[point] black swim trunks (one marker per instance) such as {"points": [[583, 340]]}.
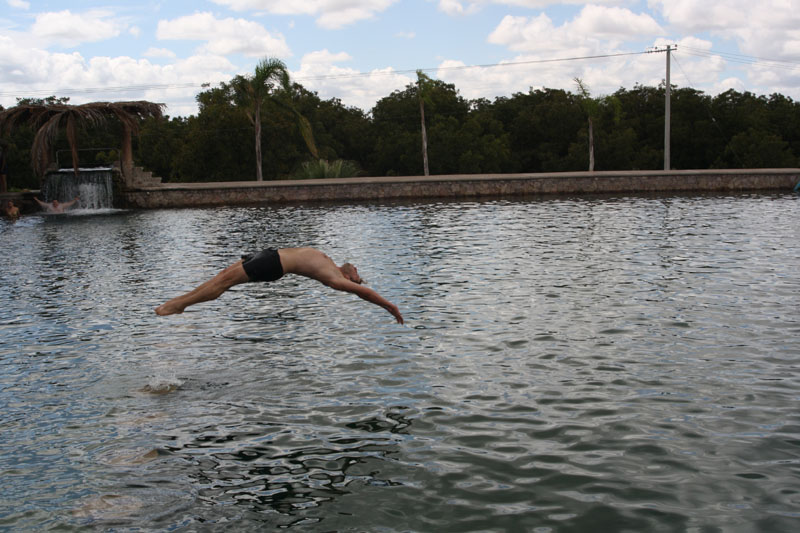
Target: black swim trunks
{"points": [[263, 266]]}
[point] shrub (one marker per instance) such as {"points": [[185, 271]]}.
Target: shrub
{"points": [[321, 169]]}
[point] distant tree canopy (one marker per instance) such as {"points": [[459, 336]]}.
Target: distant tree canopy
{"points": [[542, 130]]}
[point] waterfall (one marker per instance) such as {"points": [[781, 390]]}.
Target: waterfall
{"points": [[93, 185]]}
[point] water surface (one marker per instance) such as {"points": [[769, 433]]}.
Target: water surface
{"points": [[595, 364]]}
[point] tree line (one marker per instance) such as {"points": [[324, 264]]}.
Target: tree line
{"points": [[541, 130]]}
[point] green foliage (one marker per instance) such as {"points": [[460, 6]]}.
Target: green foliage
{"points": [[542, 130], [17, 150], [50, 100], [217, 146], [756, 149], [322, 169], [103, 158], [398, 136], [542, 124]]}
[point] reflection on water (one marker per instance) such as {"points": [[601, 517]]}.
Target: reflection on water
{"points": [[598, 364]]}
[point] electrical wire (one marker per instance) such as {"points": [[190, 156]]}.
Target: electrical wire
{"points": [[684, 49], [94, 90], [740, 58], [387, 72], [465, 67]]}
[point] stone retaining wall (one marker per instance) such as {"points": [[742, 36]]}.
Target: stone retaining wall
{"points": [[455, 186]]}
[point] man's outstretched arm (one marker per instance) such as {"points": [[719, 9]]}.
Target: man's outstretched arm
{"points": [[367, 294]]}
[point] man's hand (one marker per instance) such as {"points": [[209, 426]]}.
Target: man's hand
{"points": [[396, 312], [367, 294]]}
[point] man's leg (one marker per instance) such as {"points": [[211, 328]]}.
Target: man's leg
{"points": [[210, 290]]}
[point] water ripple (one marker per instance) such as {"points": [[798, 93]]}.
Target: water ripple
{"points": [[593, 364]]}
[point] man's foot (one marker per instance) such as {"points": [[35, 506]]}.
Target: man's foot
{"points": [[168, 309]]}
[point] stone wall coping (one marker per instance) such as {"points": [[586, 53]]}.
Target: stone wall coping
{"points": [[464, 177]]}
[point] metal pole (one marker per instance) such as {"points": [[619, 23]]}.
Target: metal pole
{"points": [[667, 113]]}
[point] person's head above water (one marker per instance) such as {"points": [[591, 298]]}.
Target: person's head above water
{"points": [[351, 272]]}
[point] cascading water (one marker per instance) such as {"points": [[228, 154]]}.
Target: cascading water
{"points": [[94, 186]]}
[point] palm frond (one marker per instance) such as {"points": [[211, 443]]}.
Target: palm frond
{"points": [[307, 133]]}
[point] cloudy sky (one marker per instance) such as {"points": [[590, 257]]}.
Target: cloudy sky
{"points": [[362, 50]]}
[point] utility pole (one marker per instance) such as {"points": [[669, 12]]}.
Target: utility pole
{"points": [[667, 112]]}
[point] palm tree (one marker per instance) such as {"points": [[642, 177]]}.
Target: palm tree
{"points": [[48, 118], [592, 107], [423, 93], [270, 82]]}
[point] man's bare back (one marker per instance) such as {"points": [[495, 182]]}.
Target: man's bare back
{"points": [[308, 262], [311, 263]]}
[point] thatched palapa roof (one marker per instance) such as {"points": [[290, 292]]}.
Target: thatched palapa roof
{"points": [[48, 119]]}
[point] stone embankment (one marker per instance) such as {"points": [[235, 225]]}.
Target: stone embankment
{"points": [[457, 187], [148, 193]]}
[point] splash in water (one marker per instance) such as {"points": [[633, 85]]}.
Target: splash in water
{"points": [[160, 384]]}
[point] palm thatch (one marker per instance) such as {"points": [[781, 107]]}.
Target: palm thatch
{"points": [[49, 119], [130, 115]]}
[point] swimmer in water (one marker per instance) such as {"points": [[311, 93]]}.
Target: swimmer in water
{"points": [[55, 206], [270, 265], [10, 210]]}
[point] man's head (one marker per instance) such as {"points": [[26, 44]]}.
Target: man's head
{"points": [[351, 272], [55, 203]]}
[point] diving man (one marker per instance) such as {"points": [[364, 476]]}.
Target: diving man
{"points": [[270, 265]]}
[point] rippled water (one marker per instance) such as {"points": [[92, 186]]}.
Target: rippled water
{"points": [[596, 364]]}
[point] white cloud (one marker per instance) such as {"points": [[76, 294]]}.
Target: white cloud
{"points": [[224, 36], [460, 7], [760, 29], [451, 7], [791, 48], [455, 8], [70, 29], [33, 72], [596, 28], [766, 30], [331, 14], [699, 16], [614, 23], [159, 52], [729, 83], [770, 30], [524, 72], [319, 72]]}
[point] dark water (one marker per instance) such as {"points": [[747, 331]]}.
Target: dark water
{"points": [[628, 364]]}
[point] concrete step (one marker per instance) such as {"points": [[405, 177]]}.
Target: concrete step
{"points": [[144, 178]]}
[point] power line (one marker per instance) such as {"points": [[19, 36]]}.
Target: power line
{"points": [[742, 59], [464, 67], [148, 87], [689, 50], [94, 90]]}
